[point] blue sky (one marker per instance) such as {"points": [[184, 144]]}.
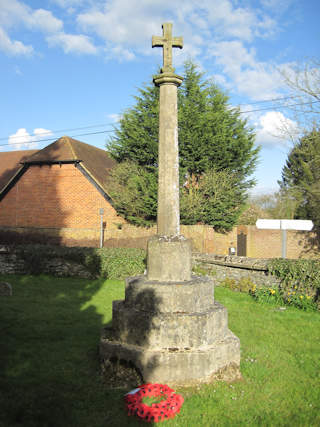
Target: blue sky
{"points": [[73, 66]]}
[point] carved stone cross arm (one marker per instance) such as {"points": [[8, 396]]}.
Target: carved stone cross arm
{"points": [[167, 42]]}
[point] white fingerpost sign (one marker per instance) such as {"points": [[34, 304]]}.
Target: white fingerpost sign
{"points": [[284, 225]]}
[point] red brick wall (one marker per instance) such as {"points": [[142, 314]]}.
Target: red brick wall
{"points": [[268, 243], [55, 196]]}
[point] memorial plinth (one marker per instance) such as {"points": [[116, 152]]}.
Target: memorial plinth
{"points": [[168, 326], [173, 333]]}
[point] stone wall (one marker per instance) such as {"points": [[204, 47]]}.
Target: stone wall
{"points": [[220, 266], [236, 268], [10, 263]]}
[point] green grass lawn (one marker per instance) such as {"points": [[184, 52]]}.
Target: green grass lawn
{"points": [[49, 366]]}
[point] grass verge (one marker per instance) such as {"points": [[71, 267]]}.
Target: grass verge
{"points": [[50, 376]]}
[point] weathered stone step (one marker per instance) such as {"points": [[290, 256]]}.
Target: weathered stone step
{"points": [[164, 330]]}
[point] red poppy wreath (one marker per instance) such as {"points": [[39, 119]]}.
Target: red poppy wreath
{"points": [[167, 406]]}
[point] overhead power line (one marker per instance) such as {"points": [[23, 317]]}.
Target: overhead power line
{"points": [[279, 107], [271, 100], [58, 131], [52, 139], [111, 124]]}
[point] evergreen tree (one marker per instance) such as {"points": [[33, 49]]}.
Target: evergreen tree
{"points": [[136, 139], [213, 140], [301, 176], [211, 134]]}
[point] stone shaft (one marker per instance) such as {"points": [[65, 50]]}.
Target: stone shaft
{"points": [[168, 216], [169, 259]]}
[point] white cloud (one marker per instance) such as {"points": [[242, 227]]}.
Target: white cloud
{"points": [[274, 129], [68, 3], [13, 47], [77, 43], [215, 28], [277, 6], [220, 80], [229, 21], [122, 22], [258, 80], [131, 24], [44, 20], [121, 53], [243, 23], [23, 140], [14, 13], [70, 6]]}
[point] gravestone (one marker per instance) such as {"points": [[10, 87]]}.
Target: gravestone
{"points": [[5, 289], [168, 326]]}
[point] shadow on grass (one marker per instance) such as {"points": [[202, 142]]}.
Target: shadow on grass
{"points": [[49, 364]]}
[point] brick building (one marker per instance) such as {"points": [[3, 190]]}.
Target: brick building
{"points": [[57, 191]]}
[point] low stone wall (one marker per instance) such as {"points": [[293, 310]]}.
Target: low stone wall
{"points": [[10, 263], [236, 268], [219, 266]]}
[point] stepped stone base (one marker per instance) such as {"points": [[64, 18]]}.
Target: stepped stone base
{"points": [[172, 332]]}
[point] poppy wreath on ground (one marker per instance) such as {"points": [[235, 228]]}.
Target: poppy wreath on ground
{"points": [[160, 411]]}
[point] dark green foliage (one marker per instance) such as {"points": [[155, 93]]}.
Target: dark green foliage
{"points": [[119, 263], [136, 139], [133, 190], [214, 199], [301, 176], [111, 263], [214, 142], [211, 134]]}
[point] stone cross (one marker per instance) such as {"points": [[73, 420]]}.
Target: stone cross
{"points": [[167, 42], [169, 253], [168, 218], [169, 308]]}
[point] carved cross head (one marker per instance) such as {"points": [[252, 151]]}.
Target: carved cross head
{"points": [[167, 42]]}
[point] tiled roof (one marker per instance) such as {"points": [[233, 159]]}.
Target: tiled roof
{"points": [[10, 165], [95, 161]]}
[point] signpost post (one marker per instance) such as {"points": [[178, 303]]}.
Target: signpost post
{"points": [[101, 212], [284, 225]]}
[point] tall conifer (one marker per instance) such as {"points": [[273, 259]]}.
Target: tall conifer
{"points": [[213, 139]]}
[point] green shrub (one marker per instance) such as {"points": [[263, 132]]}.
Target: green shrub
{"points": [[267, 295], [298, 286], [118, 263], [299, 281]]}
